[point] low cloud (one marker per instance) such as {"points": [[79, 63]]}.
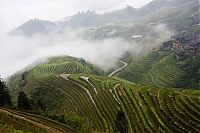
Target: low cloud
{"points": [[17, 52]]}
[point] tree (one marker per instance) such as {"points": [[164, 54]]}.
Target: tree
{"points": [[39, 105], [121, 122], [23, 102], [5, 98]]}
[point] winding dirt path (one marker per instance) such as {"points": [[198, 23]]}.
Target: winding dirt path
{"points": [[87, 79], [116, 97], [116, 71], [65, 76]]}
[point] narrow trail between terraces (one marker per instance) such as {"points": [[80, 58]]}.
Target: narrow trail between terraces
{"points": [[116, 71], [116, 97]]}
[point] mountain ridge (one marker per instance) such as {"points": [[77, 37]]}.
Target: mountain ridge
{"points": [[92, 19]]}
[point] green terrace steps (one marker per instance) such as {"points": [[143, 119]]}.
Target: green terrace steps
{"points": [[98, 99], [138, 67], [163, 69], [166, 73], [53, 66], [162, 109]]}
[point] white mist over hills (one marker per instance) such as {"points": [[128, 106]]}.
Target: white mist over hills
{"points": [[17, 52]]}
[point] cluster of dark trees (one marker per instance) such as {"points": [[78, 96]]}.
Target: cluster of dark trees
{"points": [[5, 98], [121, 122], [23, 102]]}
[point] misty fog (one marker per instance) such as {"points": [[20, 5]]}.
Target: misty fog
{"points": [[17, 52]]}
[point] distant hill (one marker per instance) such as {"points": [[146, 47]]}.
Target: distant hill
{"points": [[34, 26], [176, 17], [90, 19]]}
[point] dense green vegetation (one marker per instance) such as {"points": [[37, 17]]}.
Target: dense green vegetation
{"points": [[23, 102], [121, 122], [7, 129], [5, 98], [164, 69]]}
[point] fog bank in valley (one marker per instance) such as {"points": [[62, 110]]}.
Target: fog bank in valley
{"points": [[17, 52]]}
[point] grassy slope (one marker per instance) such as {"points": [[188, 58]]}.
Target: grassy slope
{"points": [[62, 96], [15, 121], [163, 69], [8, 129]]}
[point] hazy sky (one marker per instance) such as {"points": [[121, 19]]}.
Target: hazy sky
{"points": [[15, 12]]}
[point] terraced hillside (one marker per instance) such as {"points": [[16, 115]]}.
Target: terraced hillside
{"points": [[77, 94], [141, 65], [161, 110], [98, 100], [18, 122], [65, 64], [163, 69], [53, 66]]}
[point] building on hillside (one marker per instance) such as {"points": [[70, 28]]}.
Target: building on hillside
{"points": [[178, 41], [167, 45], [185, 42], [197, 48], [188, 49], [179, 52]]}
